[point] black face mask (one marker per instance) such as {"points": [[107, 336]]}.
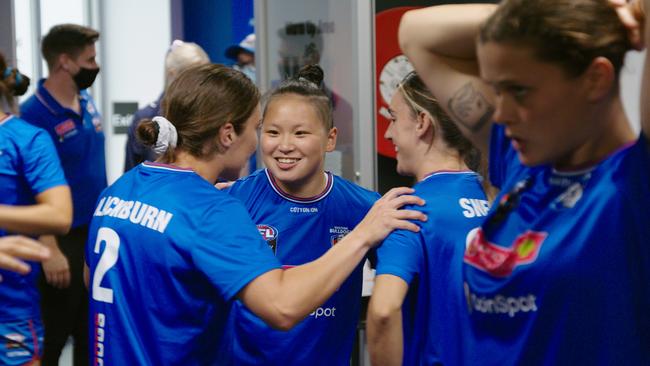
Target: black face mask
{"points": [[85, 77]]}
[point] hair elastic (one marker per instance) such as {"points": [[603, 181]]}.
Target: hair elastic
{"points": [[167, 135]]}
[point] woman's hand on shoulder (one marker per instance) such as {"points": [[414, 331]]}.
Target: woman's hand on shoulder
{"points": [[387, 215]]}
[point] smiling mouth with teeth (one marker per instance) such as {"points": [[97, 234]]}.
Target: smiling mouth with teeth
{"points": [[287, 160]]}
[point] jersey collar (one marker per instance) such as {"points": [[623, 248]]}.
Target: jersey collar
{"points": [[328, 187]]}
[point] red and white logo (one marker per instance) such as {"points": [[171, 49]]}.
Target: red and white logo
{"points": [[270, 235], [499, 261], [65, 128]]}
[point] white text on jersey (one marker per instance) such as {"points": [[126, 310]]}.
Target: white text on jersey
{"points": [[134, 211], [474, 207]]}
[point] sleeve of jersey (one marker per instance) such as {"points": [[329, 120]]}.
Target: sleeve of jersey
{"points": [[400, 255], [230, 250], [41, 163], [501, 156]]}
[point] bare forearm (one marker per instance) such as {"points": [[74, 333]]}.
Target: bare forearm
{"points": [[34, 219], [50, 242], [385, 339], [305, 287], [294, 293], [448, 30]]}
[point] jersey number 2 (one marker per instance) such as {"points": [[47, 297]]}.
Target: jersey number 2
{"points": [[106, 261]]}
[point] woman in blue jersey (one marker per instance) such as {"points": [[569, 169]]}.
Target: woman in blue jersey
{"points": [[408, 316], [301, 211], [168, 252], [34, 200], [558, 271]]}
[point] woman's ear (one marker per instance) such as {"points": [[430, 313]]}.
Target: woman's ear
{"points": [[331, 139], [424, 124], [227, 135], [599, 79]]}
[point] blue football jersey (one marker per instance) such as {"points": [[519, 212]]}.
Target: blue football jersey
{"points": [[561, 278], [28, 166], [430, 260], [300, 230], [167, 253]]}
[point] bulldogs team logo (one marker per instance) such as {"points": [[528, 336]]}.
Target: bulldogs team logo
{"points": [[499, 261], [337, 233], [270, 234]]}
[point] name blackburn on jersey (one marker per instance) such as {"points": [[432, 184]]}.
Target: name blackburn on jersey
{"points": [[134, 211]]}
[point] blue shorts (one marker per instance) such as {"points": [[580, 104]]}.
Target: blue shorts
{"points": [[21, 342]]}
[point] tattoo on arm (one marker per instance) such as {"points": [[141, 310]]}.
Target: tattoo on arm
{"points": [[470, 108]]}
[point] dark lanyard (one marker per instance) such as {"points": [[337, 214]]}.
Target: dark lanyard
{"points": [[509, 202]]}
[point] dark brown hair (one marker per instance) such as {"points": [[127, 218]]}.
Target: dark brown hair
{"points": [[198, 103], [307, 83], [70, 39], [11, 83], [420, 99], [570, 33]]}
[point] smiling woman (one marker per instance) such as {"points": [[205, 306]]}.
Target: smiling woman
{"points": [[566, 235], [302, 211]]}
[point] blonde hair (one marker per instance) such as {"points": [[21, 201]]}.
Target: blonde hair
{"points": [[182, 55]]}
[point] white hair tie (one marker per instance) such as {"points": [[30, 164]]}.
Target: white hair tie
{"points": [[167, 135]]}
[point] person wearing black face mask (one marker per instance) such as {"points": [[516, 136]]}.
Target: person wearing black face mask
{"points": [[62, 106]]}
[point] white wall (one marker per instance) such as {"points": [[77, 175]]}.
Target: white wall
{"points": [[631, 87], [135, 37]]}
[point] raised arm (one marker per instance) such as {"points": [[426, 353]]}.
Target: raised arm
{"points": [[633, 14], [284, 297], [440, 42]]}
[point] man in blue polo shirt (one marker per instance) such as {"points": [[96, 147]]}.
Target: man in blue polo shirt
{"points": [[66, 111]]}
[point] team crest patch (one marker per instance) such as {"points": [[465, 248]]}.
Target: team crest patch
{"points": [[65, 129], [337, 233], [270, 235], [499, 261], [14, 340]]}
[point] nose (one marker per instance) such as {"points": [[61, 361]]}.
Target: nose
{"points": [[286, 143], [504, 112], [388, 134]]}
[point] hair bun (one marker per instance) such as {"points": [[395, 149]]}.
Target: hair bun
{"points": [[312, 73]]}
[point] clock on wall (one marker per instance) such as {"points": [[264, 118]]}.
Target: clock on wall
{"points": [[392, 66], [391, 74]]}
